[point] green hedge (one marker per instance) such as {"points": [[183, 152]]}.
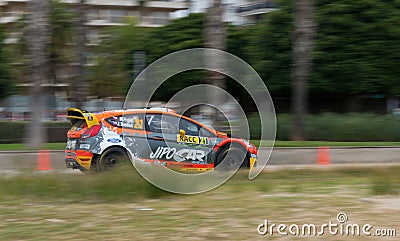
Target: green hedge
{"points": [[337, 127], [14, 131], [322, 127]]}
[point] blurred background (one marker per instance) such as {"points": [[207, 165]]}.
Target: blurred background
{"points": [[332, 68]]}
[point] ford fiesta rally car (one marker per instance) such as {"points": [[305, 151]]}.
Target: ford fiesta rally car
{"points": [[159, 136]]}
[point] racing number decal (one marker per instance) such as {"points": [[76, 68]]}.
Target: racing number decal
{"points": [[138, 124], [127, 121]]}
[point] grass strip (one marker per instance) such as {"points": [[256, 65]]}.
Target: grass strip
{"points": [[21, 147], [128, 185]]}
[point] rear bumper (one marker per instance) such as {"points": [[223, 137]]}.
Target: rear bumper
{"points": [[71, 163], [78, 159]]}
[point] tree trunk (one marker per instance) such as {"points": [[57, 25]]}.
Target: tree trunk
{"points": [[305, 29], [80, 88], [215, 37], [38, 42]]}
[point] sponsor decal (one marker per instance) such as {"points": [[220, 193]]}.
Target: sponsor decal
{"points": [[113, 121], [178, 155], [190, 154], [163, 153], [71, 144], [84, 146], [126, 122], [89, 117], [114, 140], [192, 139]]}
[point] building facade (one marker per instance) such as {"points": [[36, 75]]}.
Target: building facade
{"points": [[237, 12]]}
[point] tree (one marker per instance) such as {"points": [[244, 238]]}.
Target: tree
{"points": [[61, 36], [355, 52], [266, 46], [357, 48], [179, 34], [302, 63], [80, 84], [38, 41], [59, 48], [215, 38], [113, 73], [6, 84]]}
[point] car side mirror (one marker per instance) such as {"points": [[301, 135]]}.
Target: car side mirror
{"points": [[182, 132]]}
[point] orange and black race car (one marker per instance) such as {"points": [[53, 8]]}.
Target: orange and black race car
{"points": [[159, 136]]}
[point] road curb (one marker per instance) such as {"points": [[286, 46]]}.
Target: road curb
{"points": [[29, 151], [329, 167]]}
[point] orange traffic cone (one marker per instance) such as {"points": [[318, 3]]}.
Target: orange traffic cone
{"points": [[323, 156], [43, 160]]}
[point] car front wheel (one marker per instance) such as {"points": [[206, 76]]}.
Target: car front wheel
{"points": [[230, 158]]}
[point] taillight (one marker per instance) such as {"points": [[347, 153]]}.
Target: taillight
{"points": [[92, 131]]}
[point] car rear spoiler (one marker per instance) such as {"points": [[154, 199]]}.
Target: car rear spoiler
{"points": [[74, 114]]}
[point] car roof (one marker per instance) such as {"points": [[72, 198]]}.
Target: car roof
{"points": [[129, 111], [109, 113]]}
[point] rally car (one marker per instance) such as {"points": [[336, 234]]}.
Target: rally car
{"points": [[159, 136]]}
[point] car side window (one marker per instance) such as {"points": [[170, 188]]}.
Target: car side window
{"points": [[170, 124], [153, 123], [161, 124], [131, 121]]}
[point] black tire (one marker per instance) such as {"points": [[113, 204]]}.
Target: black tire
{"points": [[112, 158], [230, 158]]}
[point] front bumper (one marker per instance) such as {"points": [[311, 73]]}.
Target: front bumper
{"points": [[252, 160]]}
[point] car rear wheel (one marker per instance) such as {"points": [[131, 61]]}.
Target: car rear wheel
{"points": [[230, 158], [112, 158]]}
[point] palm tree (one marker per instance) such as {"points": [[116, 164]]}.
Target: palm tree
{"points": [[305, 29], [215, 37], [61, 23], [38, 42], [80, 80]]}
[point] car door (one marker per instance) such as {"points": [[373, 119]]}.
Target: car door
{"points": [[159, 137], [196, 143], [176, 139]]}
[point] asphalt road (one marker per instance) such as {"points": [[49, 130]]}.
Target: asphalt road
{"points": [[11, 160]]}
